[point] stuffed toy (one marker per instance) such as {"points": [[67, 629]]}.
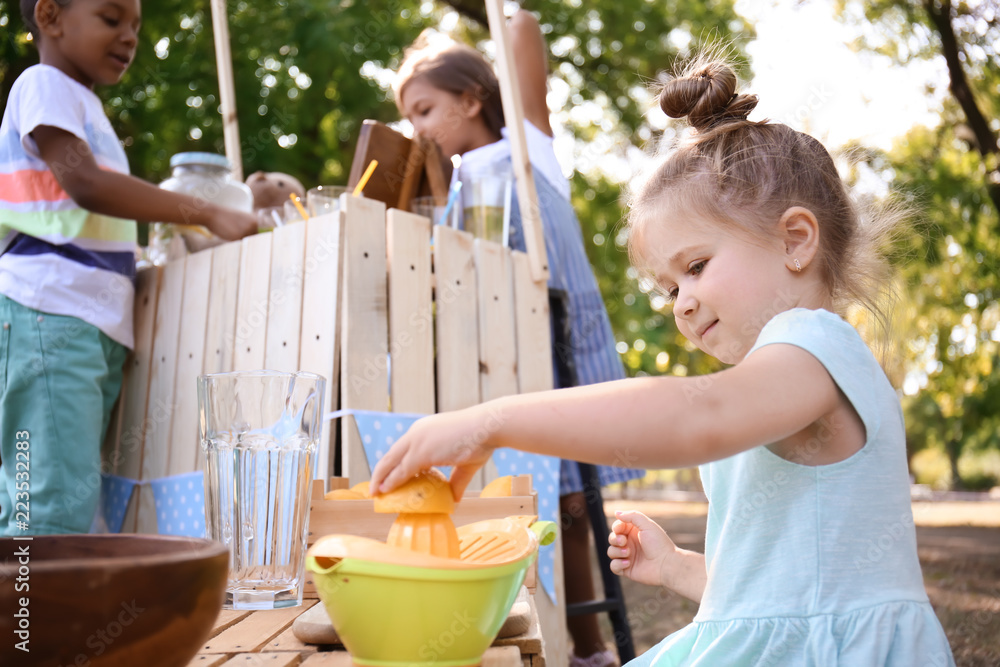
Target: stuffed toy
{"points": [[273, 188]]}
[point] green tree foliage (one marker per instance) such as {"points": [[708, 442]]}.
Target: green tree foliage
{"points": [[299, 69], [951, 319], [965, 36], [308, 72], [952, 285]]}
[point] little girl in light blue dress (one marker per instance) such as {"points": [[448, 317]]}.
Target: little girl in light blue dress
{"points": [[810, 553], [812, 565]]}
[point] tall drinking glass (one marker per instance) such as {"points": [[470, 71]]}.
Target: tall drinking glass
{"points": [[259, 431], [486, 201]]}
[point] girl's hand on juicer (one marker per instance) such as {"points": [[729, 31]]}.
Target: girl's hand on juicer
{"points": [[459, 439]]}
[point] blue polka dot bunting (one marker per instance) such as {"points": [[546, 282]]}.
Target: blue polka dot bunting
{"points": [[180, 504]]}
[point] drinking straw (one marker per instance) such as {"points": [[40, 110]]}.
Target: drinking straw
{"points": [[364, 178], [278, 222], [452, 196], [295, 200]]}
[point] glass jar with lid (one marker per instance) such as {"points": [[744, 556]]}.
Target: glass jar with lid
{"points": [[204, 176]]}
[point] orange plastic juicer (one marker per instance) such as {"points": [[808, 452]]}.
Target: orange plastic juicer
{"points": [[427, 573]]}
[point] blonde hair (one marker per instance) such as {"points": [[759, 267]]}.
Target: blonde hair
{"points": [[745, 174], [456, 68]]}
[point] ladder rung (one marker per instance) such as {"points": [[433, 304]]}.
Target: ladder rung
{"points": [[593, 607]]}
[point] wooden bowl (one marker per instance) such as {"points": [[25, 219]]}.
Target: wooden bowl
{"points": [[108, 600]]}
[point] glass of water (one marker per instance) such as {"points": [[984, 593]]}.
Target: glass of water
{"points": [[486, 201], [259, 432]]}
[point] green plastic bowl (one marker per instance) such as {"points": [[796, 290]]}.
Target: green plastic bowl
{"points": [[392, 615]]}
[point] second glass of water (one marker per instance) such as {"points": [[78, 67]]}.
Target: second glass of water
{"points": [[259, 433]]}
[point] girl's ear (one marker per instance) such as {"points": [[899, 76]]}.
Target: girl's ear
{"points": [[470, 105], [47, 18], [799, 230]]}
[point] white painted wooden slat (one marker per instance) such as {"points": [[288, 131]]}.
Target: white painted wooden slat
{"points": [[456, 321], [220, 333], [127, 459], [284, 311], [364, 342], [534, 334], [161, 405], [497, 340], [252, 303], [320, 342], [411, 319], [184, 452]]}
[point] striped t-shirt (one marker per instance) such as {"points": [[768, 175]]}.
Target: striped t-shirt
{"points": [[55, 256]]}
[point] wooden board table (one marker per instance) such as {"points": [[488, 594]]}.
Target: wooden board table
{"points": [[265, 639]]}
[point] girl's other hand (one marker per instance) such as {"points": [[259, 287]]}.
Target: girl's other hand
{"points": [[460, 439], [640, 549]]}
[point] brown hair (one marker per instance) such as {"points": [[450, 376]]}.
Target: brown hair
{"points": [[28, 16], [745, 174], [456, 68]]}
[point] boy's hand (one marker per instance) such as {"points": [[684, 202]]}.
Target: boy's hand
{"points": [[640, 549], [230, 224], [459, 439]]}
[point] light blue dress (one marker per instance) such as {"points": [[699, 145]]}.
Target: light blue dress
{"points": [[814, 565]]}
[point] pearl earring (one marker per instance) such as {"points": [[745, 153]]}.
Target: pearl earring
{"points": [[798, 267]]}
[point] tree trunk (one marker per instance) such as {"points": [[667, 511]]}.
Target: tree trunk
{"points": [[939, 12], [954, 449]]}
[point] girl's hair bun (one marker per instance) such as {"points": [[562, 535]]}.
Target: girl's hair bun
{"points": [[707, 96]]}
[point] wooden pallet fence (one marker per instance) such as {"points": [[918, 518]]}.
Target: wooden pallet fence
{"points": [[268, 301], [396, 314]]}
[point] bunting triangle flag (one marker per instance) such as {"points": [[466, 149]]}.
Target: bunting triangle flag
{"points": [[380, 430], [115, 495], [180, 504]]}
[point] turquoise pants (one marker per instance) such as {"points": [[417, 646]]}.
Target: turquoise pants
{"points": [[59, 378]]}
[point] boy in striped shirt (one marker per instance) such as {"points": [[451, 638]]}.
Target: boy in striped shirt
{"points": [[67, 261]]}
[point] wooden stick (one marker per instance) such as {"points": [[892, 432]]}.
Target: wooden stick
{"points": [[227, 88], [513, 111]]}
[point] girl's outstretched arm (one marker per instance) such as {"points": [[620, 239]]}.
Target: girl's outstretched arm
{"points": [[532, 67], [656, 422]]}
